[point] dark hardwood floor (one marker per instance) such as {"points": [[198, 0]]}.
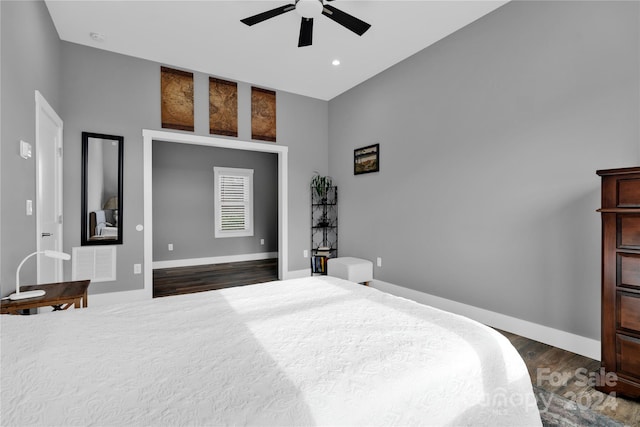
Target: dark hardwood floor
{"points": [[186, 280], [567, 374]]}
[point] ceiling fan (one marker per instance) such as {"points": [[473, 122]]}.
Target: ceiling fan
{"points": [[308, 10]]}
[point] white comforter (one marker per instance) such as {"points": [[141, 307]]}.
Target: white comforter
{"points": [[314, 351]]}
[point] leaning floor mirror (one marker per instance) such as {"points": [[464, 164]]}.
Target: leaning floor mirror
{"points": [[101, 189]]}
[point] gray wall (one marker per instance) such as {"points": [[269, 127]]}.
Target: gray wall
{"points": [[97, 91], [115, 94], [30, 61], [489, 143], [490, 140], [183, 202]]}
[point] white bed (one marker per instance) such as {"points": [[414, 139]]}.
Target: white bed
{"points": [[314, 351]]}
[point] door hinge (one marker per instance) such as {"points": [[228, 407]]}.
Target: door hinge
{"points": [[59, 219], [59, 151]]}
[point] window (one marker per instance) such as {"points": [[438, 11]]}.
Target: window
{"points": [[233, 198]]}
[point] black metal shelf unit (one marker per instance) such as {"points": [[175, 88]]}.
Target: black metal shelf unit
{"points": [[324, 227]]}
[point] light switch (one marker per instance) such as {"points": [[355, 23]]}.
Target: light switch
{"points": [[25, 150], [29, 207], [137, 268], [170, 246]]}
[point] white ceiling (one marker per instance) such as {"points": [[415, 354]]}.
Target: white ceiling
{"points": [[207, 36]]}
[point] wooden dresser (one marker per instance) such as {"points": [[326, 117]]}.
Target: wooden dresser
{"points": [[621, 281]]}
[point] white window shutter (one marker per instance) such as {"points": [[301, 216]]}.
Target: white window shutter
{"points": [[234, 202]]}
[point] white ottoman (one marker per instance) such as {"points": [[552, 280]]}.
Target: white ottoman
{"points": [[349, 268]]}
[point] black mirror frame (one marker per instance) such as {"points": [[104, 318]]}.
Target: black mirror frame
{"points": [[84, 215]]}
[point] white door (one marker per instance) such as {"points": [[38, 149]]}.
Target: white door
{"points": [[48, 189]]}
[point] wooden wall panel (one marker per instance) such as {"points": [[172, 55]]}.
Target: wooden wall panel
{"points": [[223, 107], [176, 92], [263, 114]]}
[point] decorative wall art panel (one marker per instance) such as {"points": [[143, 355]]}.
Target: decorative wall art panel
{"points": [[223, 107], [263, 114], [176, 90]]}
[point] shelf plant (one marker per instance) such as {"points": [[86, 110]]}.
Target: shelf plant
{"points": [[320, 184]]}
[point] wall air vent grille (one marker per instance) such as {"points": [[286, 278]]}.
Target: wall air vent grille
{"points": [[97, 264]]}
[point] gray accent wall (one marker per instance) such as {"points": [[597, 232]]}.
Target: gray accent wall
{"points": [[110, 94], [183, 201], [99, 91], [489, 140], [115, 94], [489, 143], [31, 61]]}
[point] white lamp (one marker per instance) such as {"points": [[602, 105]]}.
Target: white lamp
{"points": [[39, 292]]}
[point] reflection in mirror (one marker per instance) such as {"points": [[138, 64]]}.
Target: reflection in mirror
{"points": [[101, 189]]}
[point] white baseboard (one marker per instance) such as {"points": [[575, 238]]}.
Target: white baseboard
{"points": [[571, 342], [214, 260], [299, 274], [111, 298]]}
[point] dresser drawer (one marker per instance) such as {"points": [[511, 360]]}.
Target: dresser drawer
{"points": [[628, 235], [629, 312], [628, 271], [628, 355], [629, 193]]}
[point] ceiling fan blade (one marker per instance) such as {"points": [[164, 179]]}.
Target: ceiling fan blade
{"points": [[255, 19], [306, 32], [351, 22]]}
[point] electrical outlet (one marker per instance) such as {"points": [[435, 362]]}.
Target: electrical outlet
{"points": [[170, 246], [262, 241], [137, 268], [379, 262], [305, 253]]}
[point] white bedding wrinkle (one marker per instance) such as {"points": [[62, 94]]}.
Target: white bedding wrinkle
{"points": [[311, 351]]}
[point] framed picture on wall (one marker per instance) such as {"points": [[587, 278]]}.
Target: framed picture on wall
{"points": [[263, 114], [223, 107], [176, 94], [366, 159]]}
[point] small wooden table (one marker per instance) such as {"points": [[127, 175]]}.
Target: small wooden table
{"points": [[60, 296]]}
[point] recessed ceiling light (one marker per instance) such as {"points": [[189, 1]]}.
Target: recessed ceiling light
{"points": [[98, 37], [335, 62]]}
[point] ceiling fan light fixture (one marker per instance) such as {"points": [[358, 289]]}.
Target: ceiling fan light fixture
{"points": [[335, 62], [309, 8]]}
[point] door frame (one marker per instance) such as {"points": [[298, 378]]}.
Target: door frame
{"points": [[43, 108], [283, 202]]}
